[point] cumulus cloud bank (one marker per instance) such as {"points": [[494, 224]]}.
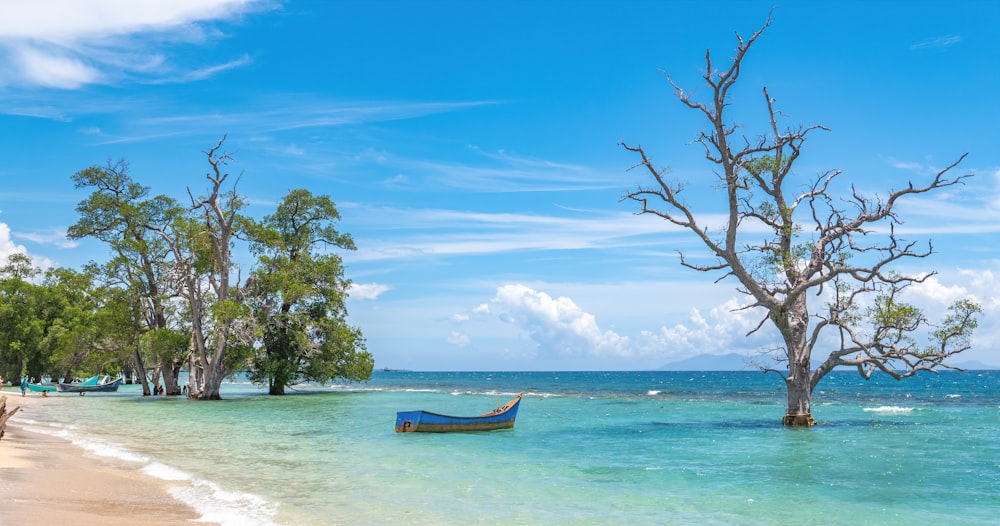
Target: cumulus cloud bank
{"points": [[7, 246], [558, 326]]}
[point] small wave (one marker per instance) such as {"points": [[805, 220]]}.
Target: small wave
{"points": [[652, 393], [164, 472], [214, 504], [227, 508], [889, 409], [107, 449], [953, 396]]}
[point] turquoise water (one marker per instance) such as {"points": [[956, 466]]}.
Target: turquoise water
{"points": [[588, 448]]}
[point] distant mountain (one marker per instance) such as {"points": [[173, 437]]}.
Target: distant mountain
{"points": [[739, 362], [976, 365], [711, 362]]}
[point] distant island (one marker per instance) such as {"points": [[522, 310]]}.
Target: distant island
{"points": [[739, 362], [711, 362]]}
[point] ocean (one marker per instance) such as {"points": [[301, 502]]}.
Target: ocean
{"points": [[588, 448]]}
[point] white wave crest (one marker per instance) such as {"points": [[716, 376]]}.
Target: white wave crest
{"points": [[164, 472], [227, 508], [889, 409]]}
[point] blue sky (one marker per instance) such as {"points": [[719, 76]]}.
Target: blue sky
{"points": [[472, 149]]}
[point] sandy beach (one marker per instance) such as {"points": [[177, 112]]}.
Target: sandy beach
{"points": [[45, 479]]}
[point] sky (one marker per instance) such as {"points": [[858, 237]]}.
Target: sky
{"points": [[472, 149]]}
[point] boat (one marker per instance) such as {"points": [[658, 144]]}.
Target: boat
{"points": [[41, 388], [428, 422], [107, 387]]}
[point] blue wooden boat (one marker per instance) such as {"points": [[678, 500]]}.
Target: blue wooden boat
{"points": [[41, 388], [428, 422], [95, 388]]}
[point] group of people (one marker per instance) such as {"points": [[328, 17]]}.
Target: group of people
{"points": [[157, 390]]}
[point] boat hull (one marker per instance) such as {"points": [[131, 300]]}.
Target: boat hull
{"points": [[40, 388], [77, 388], [428, 422]]}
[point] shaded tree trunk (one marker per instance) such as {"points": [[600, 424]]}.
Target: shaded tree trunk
{"points": [[140, 370]]}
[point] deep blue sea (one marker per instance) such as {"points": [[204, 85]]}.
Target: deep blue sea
{"points": [[635, 448]]}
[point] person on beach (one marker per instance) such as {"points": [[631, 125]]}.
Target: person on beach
{"points": [[24, 384], [1, 382]]}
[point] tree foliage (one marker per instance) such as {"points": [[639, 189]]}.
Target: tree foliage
{"points": [[55, 326], [298, 290], [814, 245], [121, 213]]}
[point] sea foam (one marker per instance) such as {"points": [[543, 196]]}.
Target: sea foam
{"points": [[227, 508], [213, 503], [889, 409]]}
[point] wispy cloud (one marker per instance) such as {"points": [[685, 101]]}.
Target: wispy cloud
{"points": [[204, 73], [67, 44], [438, 232], [58, 239], [937, 42], [367, 291], [282, 113]]}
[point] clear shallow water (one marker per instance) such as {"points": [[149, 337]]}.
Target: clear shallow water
{"points": [[588, 448]]}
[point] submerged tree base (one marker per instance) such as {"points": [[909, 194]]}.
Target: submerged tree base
{"points": [[803, 420]]}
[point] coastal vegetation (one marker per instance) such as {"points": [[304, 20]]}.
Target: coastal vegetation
{"points": [[172, 296], [821, 268]]}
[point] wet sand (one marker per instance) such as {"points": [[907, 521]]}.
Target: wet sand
{"points": [[44, 479]]}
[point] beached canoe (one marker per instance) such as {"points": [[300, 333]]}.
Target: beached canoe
{"points": [[41, 388], [428, 422], [80, 388]]}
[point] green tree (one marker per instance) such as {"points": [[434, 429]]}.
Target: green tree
{"points": [[812, 245], [72, 343], [22, 327], [120, 213], [298, 291]]}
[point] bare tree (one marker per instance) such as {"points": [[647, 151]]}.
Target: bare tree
{"points": [[202, 270], [812, 246], [219, 212]]}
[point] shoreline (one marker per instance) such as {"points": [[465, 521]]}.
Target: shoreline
{"points": [[46, 478]]}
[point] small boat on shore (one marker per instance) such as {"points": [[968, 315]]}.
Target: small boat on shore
{"points": [[88, 387], [428, 422], [41, 388]]}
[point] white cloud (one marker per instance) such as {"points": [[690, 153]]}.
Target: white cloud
{"points": [[933, 289], [67, 44], [558, 326], [58, 239], [724, 330], [986, 285], [458, 339], [54, 70], [7, 246], [367, 291]]}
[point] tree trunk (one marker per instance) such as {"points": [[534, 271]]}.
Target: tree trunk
{"points": [[791, 321], [169, 372], [140, 370], [799, 412], [212, 383]]}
